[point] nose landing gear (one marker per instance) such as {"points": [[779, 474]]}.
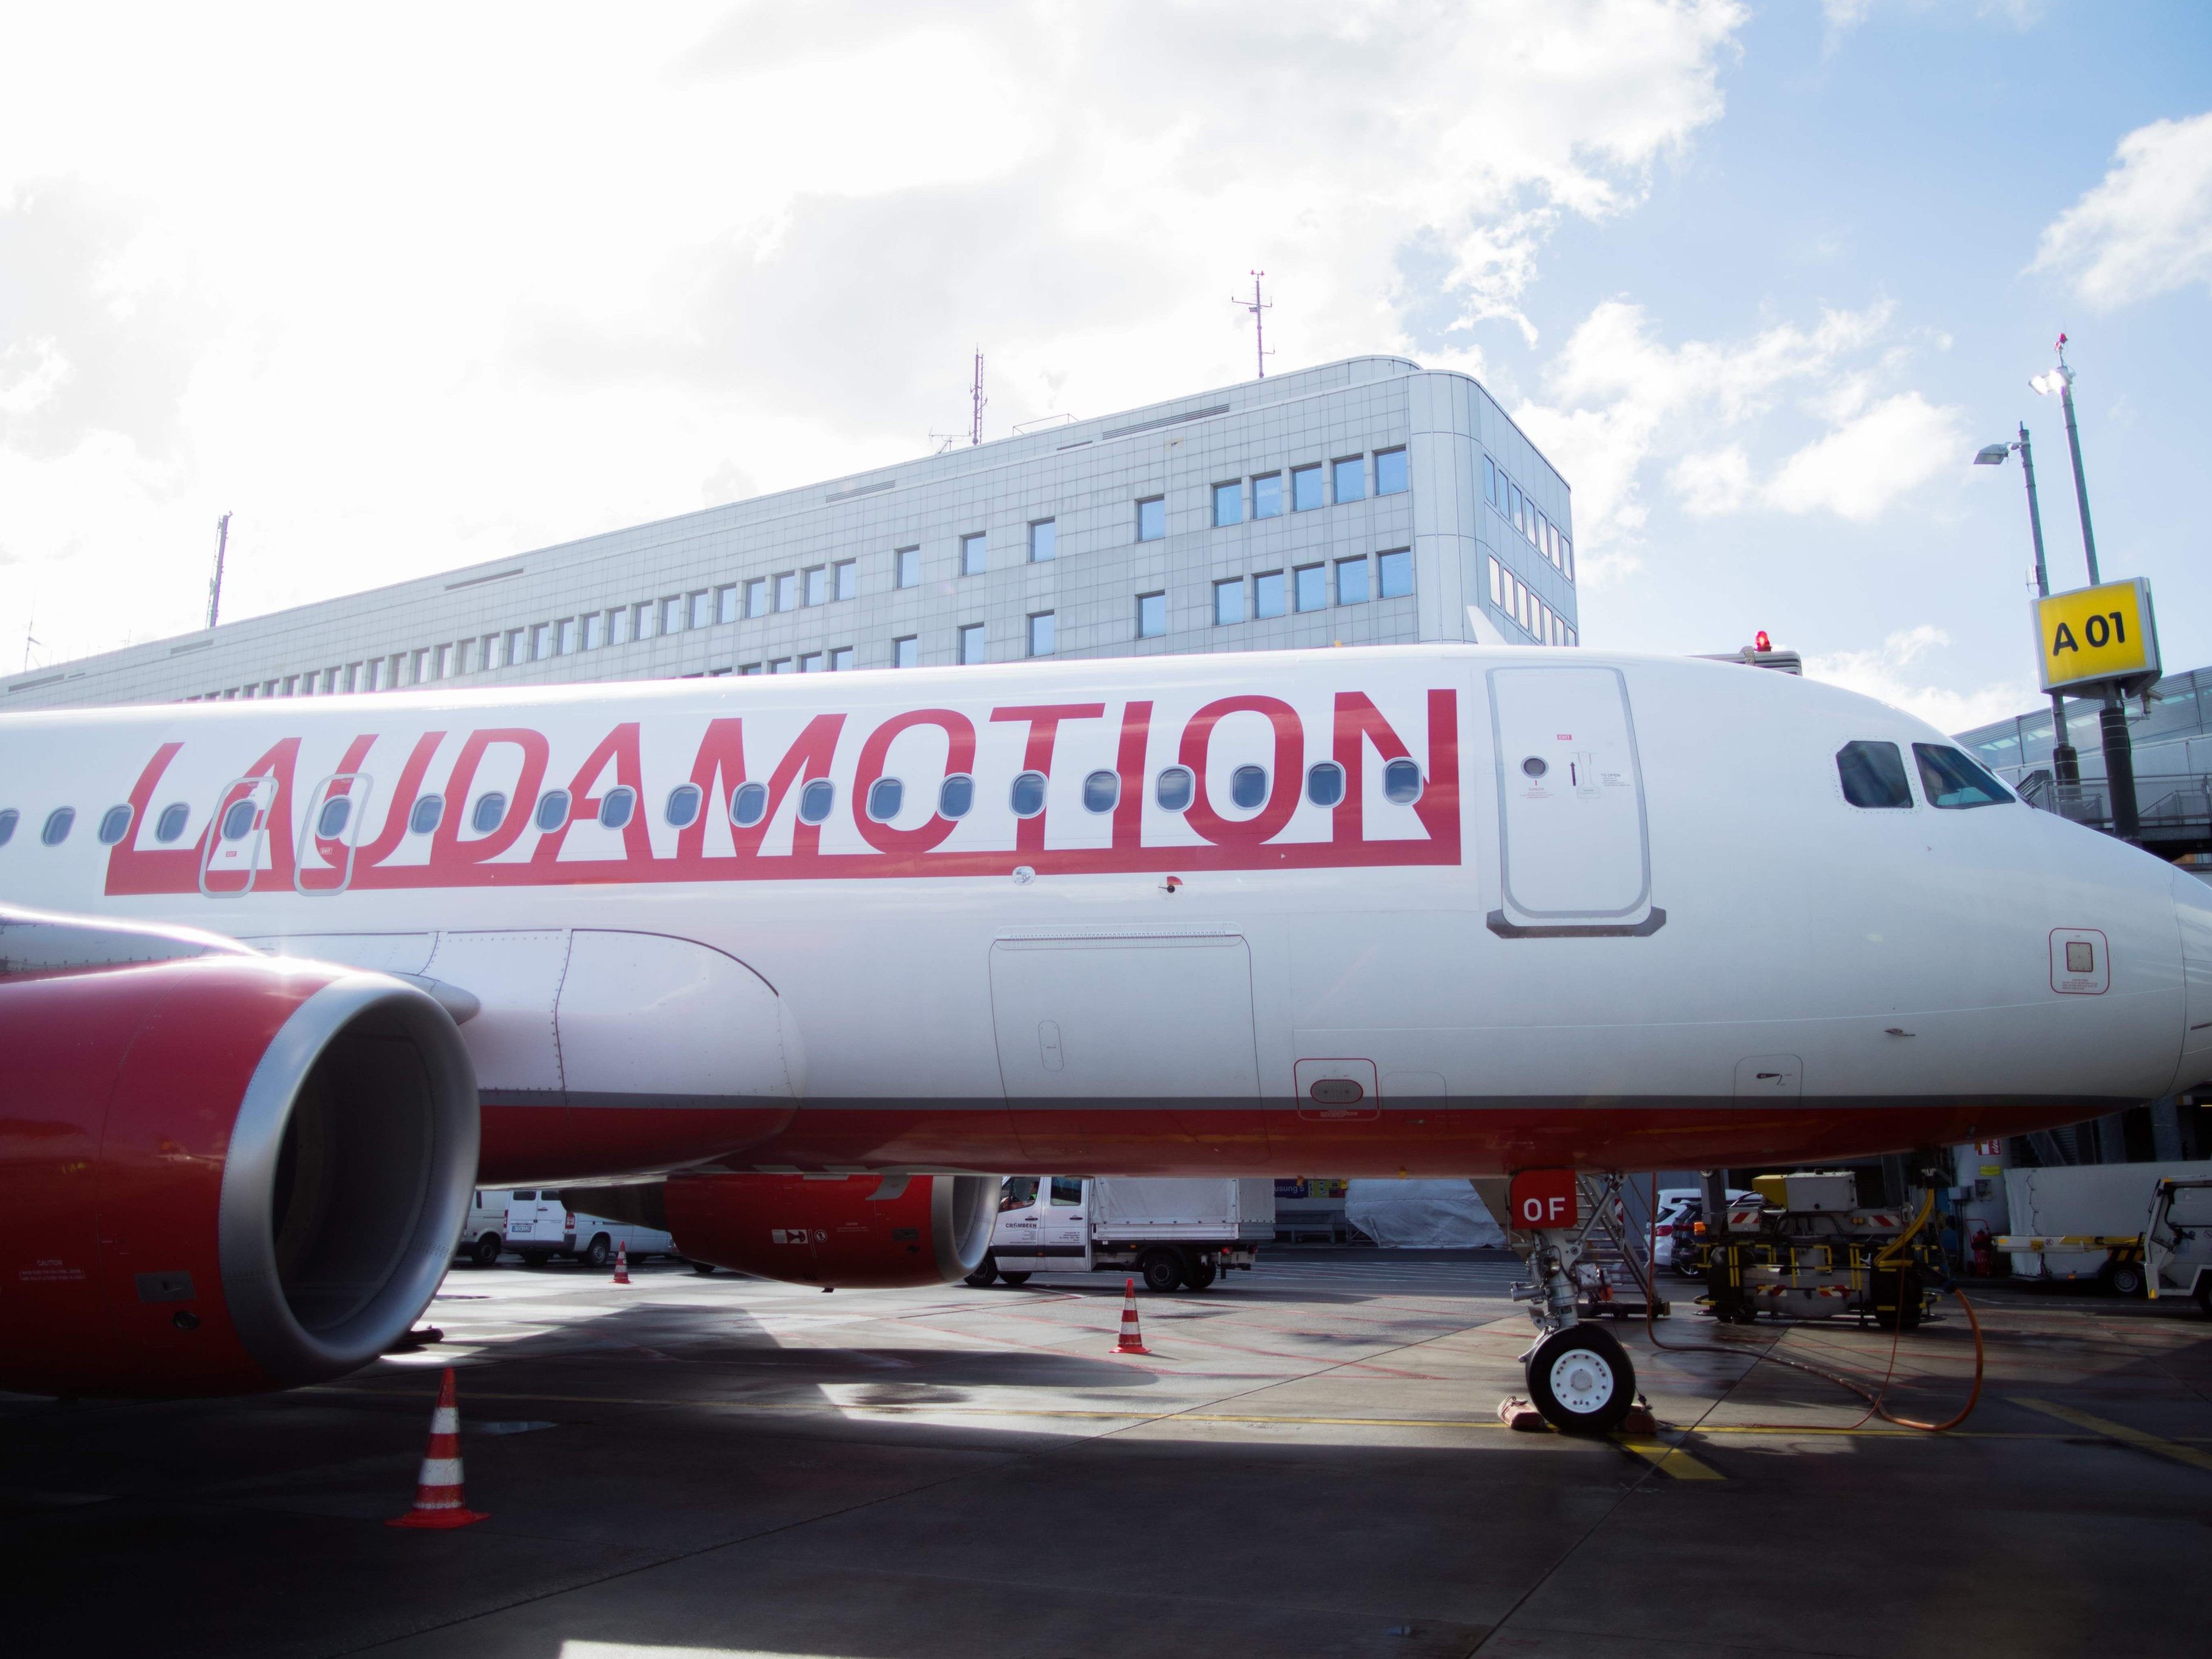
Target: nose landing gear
{"points": [[1580, 1379]]}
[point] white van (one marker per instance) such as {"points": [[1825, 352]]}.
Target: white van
{"points": [[540, 1226], [485, 1234]]}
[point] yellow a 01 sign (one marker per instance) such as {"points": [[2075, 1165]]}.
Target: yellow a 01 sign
{"points": [[2097, 635]]}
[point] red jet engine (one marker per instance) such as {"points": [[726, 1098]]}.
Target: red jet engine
{"points": [[862, 1232], [222, 1171]]}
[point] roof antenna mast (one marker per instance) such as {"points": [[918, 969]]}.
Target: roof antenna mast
{"points": [[214, 584], [1255, 305], [976, 400]]}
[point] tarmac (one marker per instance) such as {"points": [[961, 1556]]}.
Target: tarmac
{"points": [[1310, 1462]]}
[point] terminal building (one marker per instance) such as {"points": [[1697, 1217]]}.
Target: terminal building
{"points": [[1366, 501]]}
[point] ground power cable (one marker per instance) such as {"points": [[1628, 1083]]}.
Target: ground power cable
{"points": [[1875, 1399]]}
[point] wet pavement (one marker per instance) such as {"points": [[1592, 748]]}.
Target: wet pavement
{"points": [[1310, 1462]]}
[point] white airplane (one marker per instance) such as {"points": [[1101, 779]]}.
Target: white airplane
{"points": [[288, 979]]}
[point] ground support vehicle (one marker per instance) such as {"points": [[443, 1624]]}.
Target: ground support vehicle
{"points": [[1803, 1249], [483, 1236], [1170, 1233], [540, 1226], [2173, 1253], [2088, 1220]]}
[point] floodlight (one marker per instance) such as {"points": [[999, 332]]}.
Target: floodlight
{"points": [[2051, 384], [1993, 455]]}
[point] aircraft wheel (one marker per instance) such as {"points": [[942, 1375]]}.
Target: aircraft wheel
{"points": [[986, 1271], [1580, 1381], [1161, 1270], [485, 1251], [1006, 1278]]}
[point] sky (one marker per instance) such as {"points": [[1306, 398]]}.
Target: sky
{"points": [[407, 289]]}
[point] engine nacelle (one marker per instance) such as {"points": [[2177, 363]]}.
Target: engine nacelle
{"points": [[862, 1232], [221, 1172]]}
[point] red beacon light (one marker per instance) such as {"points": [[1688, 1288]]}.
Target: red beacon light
{"points": [[1760, 642]]}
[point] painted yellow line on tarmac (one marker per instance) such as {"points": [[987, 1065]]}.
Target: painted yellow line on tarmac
{"points": [[1670, 1460], [2119, 1431]]}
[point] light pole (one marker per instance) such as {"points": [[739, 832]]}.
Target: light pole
{"points": [[2112, 721], [2065, 764]]}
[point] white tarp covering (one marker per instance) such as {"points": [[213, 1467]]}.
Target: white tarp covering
{"points": [[1420, 1215]]}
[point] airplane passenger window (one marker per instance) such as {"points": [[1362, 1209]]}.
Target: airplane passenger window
{"points": [[8, 821], [490, 813], [114, 824], [749, 806], [1248, 786], [885, 797], [57, 825], [552, 809], [1028, 794], [615, 806], [816, 799], [238, 821], [330, 823], [955, 796], [1951, 781], [1401, 781], [1017, 1192], [424, 818], [166, 827], [1100, 790], [1172, 789], [1067, 1189], [683, 805], [1873, 775], [1324, 783]]}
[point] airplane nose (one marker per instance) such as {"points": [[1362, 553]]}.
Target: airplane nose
{"points": [[2192, 910]]}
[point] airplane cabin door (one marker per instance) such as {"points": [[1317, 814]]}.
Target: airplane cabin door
{"points": [[1574, 844]]}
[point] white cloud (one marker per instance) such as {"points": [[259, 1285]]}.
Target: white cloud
{"points": [[2147, 228], [1893, 671], [402, 308], [1857, 470], [1717, 481]]}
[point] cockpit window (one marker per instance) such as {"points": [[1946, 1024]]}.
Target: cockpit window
{"points": [[1951, 781], [1873, 774]]}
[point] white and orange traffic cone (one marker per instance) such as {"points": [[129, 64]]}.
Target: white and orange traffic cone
{"points": [[1133, 1339], [622, 1263], [438, 1501]]}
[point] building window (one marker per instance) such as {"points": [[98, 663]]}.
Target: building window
{"points": [[726, 603], [905, 567], [1311, 587], [671, 614], [1490, 481], [779, 665], [1267, 496], [1497, 584], [1517, 508], [1305, 488], [1228, 504], [418, 671], [1151, 518], [972, 643], [1228, 602], [756, 597], [1352, 582], [845, 579], [786, 591], [1044, 541], [646, 613], [444, 671], [1390, 471], [810, 662], [617, 629], [818, 584], [1567, 557], [975, 554], [1394, 573], [701, 608], [1040, 634], [595, 635], [840, 659], [906, 651], [1351, 478], [1152, 616], [1267, 594], [744, 669], [564, 640], [541, 642]]}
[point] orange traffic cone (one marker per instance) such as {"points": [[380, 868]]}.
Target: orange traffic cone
{"points": [[622, 1263], [438, 1501], [1133, 1339]]}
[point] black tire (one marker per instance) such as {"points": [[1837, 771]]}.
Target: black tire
{"points": [[485, 1250], [704, 1269], [599, 1252], [1161, 1270], [1581, 1380], [2204, 1293], [2123, 1278], [1005, 1278], [986, 1271], [1202, 1273]]}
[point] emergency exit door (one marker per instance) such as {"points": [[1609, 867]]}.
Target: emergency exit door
{"points": [[1574, 844]]}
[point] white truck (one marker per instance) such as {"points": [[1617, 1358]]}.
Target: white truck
{"points": [[485, 1234], [540, 1226], [1170, 1233], [2132, 1227]]}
